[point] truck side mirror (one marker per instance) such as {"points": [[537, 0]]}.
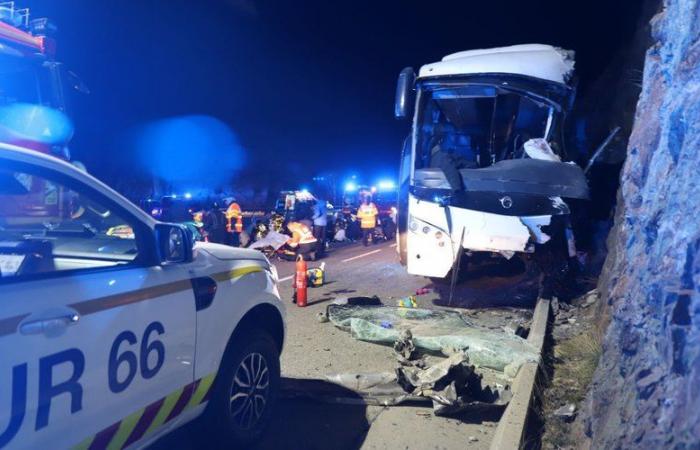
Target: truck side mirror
{"points": [[174, 242], [404, 93]]}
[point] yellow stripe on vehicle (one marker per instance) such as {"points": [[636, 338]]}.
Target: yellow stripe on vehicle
{"points": [[125, 428], [85, 445], [236, 273], [202, 389], [165, 410]]}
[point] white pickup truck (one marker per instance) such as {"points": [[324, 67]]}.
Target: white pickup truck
{"points": [[115, 328]]}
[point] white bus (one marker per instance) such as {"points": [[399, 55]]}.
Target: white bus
{"points": [[484, 168]]}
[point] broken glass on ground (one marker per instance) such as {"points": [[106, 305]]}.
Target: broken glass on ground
{"points": [[436, 331]]}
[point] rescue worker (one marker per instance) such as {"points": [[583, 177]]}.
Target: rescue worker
{"points": [[302, 241], [234, 223], [367, 213], [214, 224], [320, 218]]}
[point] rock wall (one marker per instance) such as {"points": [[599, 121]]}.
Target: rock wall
{"points": [[646, 391]]}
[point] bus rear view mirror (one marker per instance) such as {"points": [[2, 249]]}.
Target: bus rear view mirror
{"points": [[404, 93]]}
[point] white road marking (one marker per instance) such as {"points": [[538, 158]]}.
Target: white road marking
{"points": [[393, 245], [285, 278], [362, 255]]}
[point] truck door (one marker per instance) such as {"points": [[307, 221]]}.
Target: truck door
{"points": [[96, 344]]}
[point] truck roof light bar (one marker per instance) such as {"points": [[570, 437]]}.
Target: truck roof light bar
{"points": [[17, 17]]}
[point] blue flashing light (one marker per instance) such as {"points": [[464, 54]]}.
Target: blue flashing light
{"points": [[174, 196], [350, 187], [188, 195], [387, 185], [304, 190]]}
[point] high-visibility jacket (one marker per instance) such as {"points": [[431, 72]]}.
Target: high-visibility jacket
{"points": [[233, 212], [301, 234], [367, 213]]}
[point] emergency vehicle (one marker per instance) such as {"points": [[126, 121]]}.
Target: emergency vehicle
{"points": [[33, 85], [115, 328]]}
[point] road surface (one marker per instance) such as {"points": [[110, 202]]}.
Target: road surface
{"points": [[313, 350]]}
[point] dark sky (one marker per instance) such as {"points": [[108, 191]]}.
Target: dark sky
{"points": [[299, 81]]}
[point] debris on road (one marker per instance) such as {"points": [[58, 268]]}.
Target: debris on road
{"points": [[405, 348], [435, 331], [358, 301], [407, 302], [451, 384], [316, 275], [321, 317]]}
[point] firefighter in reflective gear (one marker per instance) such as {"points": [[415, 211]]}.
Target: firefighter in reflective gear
{"points": [[302, 241], [367, 213], [234, 223]]}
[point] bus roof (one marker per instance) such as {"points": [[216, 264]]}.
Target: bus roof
{"points": [[534, 60]]}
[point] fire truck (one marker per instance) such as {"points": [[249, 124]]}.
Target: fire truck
{"points": [[33, 106], [33, 85]]}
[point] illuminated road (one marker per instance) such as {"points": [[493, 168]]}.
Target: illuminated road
{"points": [[313, 350]]}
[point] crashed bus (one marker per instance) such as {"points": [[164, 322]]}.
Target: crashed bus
{"points": [[485, 168]]}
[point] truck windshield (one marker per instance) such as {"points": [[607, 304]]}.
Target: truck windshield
{"points": [[20, 81], [476, 125]]}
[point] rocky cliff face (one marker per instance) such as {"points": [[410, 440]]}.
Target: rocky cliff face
{"points": [[646, 392]]}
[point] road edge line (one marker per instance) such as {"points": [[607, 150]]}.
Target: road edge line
{"points": [[510, 431], [362, 255]]}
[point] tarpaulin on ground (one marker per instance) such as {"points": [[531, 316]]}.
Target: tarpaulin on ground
{"points": [[272, 239], [435, 331]]}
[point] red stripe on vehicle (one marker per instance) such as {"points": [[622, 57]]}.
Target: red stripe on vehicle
{"points": [[146, 419], [182, 401], [104, 437]]}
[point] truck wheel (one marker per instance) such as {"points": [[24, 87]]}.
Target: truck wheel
{"points": [[245, 391]]}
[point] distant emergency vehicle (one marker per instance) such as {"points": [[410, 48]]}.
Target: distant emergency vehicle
{"points": [[115, 328]]}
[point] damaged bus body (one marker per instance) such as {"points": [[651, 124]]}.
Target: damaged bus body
{"points": [[484, 168]]}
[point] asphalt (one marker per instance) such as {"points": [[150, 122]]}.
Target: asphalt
{"points": [[314, 350]]}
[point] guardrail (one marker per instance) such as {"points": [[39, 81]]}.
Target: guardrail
{"points": [[510, 431]]}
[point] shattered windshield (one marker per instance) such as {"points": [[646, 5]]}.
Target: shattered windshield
{"points": [[476, 124]]}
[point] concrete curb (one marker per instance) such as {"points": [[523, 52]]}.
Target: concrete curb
{"points": [[511, 428]]}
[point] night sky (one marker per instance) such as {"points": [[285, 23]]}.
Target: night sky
{"points": [[306, 84]]}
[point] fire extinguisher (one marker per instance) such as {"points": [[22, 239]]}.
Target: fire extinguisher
{"points": [[300, 282]]}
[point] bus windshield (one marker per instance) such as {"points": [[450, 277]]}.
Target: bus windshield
{"points": [[477, 124]]}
